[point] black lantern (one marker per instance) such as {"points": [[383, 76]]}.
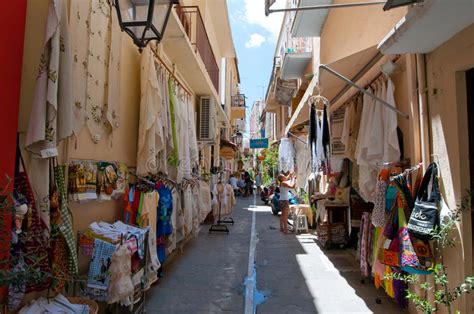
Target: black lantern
{"points": [[238, 138], [144, 20]]}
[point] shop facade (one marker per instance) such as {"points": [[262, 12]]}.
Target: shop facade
{"points": [[431, 76], [118, 91]]}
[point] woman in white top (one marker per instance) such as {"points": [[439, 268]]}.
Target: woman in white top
{"points": [[287, 183]]}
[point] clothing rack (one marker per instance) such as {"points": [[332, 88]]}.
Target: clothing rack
{"points": [[158, 176], [170, 72], [133, 308], [220, 225], [405, 162]]}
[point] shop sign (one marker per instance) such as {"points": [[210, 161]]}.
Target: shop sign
{"points": [[259, 143], [227, 152]]}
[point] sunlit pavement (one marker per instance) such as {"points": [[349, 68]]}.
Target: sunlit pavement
{"points": [[293, 275]]}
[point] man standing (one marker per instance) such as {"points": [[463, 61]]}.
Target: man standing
{"points": [[233, 182], [287, 182], [258, 182]]}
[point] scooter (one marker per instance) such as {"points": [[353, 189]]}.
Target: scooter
{"points": [[265, 194], [274, 200]]}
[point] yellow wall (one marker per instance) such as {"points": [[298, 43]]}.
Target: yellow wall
{"points": [[349, 30], [447, 103], [124, 145]]}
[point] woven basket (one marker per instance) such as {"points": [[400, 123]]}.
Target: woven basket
{"points": [[93, 306]]}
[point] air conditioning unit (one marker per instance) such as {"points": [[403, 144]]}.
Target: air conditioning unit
{"points": [[207, 120]]}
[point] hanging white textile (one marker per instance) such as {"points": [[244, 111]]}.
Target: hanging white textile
{"points": [[115, 56], [80, 15], [303, 163], [366, 173], [52, 111], [286, 155], [206, 199], [391, 150], [96, 41], [164, 116], [193, 146], [346, 129], [188, 210], [364, 130], [376, 135], [150, 131], [196, 223]]}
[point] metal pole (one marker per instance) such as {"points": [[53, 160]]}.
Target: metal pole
{"points": [[348, 81], [326, 6], [297, 138]]}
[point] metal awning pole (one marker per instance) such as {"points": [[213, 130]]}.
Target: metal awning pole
{"points": [[326, 6], [294, 135], [363, 90]]}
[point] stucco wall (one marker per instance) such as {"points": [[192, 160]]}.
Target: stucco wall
{"points": [[349, 30], [124, 144], [447, 103]]}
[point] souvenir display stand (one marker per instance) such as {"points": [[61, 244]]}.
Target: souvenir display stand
{"points": [[220, 226], [224, 201]]}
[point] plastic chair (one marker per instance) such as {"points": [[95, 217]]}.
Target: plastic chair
{"points": [[301, 223]]}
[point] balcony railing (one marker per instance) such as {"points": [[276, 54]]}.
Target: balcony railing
{"points": [[193, 24], [238, 100]]}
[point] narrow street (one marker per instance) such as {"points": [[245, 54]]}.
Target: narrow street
{"points": [[293, 275]]}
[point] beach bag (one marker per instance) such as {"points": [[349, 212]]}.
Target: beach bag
{"points": [[410, 261], [425, 217], [390, 251]]}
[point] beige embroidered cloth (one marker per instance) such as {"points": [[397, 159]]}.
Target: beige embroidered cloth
{"points": [[51, 114], [150, 133], [96, 67]]}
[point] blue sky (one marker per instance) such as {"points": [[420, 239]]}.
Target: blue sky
{"points": [[254, 37]]}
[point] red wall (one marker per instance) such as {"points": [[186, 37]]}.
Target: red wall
{"points": [[11, 57], [12, 31]]}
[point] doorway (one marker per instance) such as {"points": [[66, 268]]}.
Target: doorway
{"points": [[470, 111]]}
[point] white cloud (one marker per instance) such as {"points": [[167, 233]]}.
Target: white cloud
{"points": [[256, 40], [255, 14]]}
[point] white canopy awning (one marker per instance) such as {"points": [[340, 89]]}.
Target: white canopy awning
{"points": [[428, 25]]}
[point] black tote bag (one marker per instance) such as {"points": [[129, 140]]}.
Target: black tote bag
{"points": [[425, 216]]}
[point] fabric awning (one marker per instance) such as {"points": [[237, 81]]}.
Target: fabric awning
{"points": [[330, 86], [226, 143], [428, 25]]}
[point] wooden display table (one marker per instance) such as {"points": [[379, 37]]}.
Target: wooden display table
{"points": [[337, 217]]}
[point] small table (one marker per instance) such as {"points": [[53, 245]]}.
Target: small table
{"points": [[338, 212]]}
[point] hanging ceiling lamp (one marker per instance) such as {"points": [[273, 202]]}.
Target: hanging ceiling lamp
{"points": [[144, 20]]}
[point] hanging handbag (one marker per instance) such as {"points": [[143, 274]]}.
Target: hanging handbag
{"points": [[33, 241], [390, 251], [410, 261], [424, 217]]}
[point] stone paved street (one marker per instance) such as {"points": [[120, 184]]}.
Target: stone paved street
{"points": [[292, 272]]}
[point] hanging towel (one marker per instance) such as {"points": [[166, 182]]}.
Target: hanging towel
{"points": [[286, 155]]}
